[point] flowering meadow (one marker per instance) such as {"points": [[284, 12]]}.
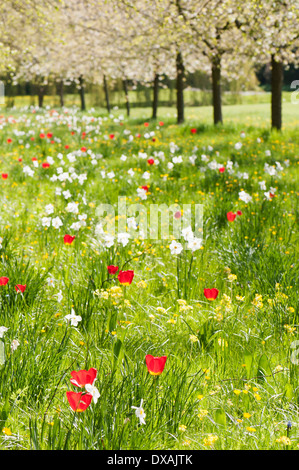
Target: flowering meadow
{"points": [[128, 342]]}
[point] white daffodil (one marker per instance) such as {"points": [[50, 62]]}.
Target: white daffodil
{"points": [[139, 411], [3, 330], [73, 318], [175, 247], [93, 391]]}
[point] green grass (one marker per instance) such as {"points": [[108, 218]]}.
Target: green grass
{"points": [[225, 357]]}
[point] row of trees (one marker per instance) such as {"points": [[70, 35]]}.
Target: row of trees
{"points": [[98, 41]]}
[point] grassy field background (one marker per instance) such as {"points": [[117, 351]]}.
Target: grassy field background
{"points": [[229, 381]]}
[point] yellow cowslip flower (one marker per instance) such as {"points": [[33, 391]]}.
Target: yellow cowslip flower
{"points": [[232, 277], [193, 338], [186, 442], [141, 284], [284, 440], [290, 329], [202, 414], [257, 397], [185, 308], [161, 309], [200, 397], [181, 302], [210, 440], [246, 415], [250, 429], [7, 431], [182, 427], [237, 392]]}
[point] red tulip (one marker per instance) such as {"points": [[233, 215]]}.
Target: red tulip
{"points": [[161, 123], [231, 216], [68, 239], [49, 135], [155, 365], [3, 281], [66, 147], [111, 136], [46, 165], [211, 294], [146, 124], [112, 269], [239, 212], [20, 288], [125, 277], [4, 176], [83, 149], [78, 401], [151, 161], [222, 169], [42, 136], [9, 141], [193, 131], [83, 377], [145, 188]]}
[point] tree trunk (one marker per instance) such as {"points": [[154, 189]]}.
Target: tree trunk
{"points": [[276, 93], [125, 85], [216, 87], [156, 96], [82, 93], [106, 94], [180, 87], [41, 94], [61, 93]]}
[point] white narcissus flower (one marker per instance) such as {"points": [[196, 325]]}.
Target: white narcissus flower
{"points": [[262, 185], [142, 193], [93, 391], [175, 247], [73, 318], [139, 411], [46, 221], [49, 209], [245, 197], [3, 330], [72, 207], [132, 223], [187, 233], [57, 222], [194, 244], [123, 238]]}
